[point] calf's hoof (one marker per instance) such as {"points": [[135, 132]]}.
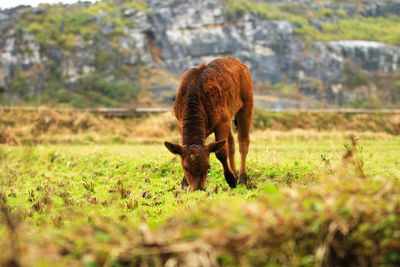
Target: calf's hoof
{"points": [[185, 185], [231, 180], [243, 178]]}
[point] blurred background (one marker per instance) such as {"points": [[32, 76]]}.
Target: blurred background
{"points": [[118, 53]]}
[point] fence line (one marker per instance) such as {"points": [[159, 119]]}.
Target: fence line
{"points": [[107, 112], [137, 112]]}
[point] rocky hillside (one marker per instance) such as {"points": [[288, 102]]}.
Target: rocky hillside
{"points": [[115, 52]]}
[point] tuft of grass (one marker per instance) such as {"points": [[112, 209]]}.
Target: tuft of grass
{"points": [[354, 156], [89, 186]]}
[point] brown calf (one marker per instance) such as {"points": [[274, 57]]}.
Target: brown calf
{"points": [[208, 97]]}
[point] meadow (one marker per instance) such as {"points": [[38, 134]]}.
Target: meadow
{"points": [[314, 198]]}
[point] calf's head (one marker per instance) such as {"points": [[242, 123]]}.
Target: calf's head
{"points": [[195, 160]]}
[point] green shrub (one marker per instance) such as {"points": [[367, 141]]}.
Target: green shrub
{"points": [[235, 9], [19, 86], [75, 22], [139, 5], [366, 103], [294, 8], [99, 90], [93, 90], [396, 91], [35, 28], [261, 119], [354, 76], [325, 12], [341, 13]]}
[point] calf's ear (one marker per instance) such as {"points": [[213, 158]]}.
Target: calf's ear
{"points": [[174, 148], [214, 147]]}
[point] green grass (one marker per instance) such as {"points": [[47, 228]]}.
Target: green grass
{"points": [[136, 168], [381, 29], [85, 204]]}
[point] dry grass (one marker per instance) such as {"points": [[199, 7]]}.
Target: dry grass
{"points": [[50, 126], [44, 125], [312, 134]]}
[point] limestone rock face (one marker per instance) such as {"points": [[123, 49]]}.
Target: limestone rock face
{"points": [[373, 56], [179, 34]]}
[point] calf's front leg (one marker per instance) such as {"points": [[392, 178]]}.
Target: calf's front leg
{"points": [[184, 184], [222, 133]]}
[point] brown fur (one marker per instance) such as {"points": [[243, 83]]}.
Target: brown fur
{"points": [[208, 97]]}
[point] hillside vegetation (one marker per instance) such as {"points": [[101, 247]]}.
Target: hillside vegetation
{"points": [[88, 55], [63, 26], [73, 28], [333, 22]]}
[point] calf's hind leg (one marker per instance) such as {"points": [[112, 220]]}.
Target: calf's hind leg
{"points": [[244, 118]]}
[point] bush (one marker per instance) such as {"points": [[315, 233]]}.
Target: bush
{"points": [[396, 91], [93, 90], [19, 86], [325, 12], [75, 22], [366, 103], [353, 76], [261, 119], [341, 13], [235, 9], [99, 90]]}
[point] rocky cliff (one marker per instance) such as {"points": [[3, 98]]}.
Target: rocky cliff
{"points": [[282, 42]]}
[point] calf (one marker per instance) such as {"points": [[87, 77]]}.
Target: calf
{"points": [[208, 97]]}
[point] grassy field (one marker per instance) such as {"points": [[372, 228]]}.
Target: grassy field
{"points": [[313, 199]]}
